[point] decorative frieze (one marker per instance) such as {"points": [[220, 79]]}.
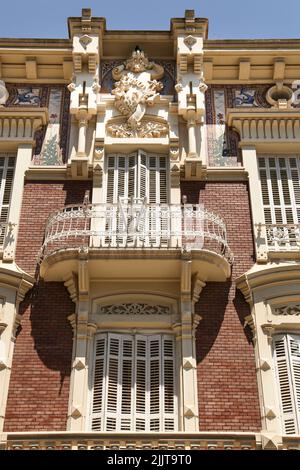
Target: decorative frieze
{"points": [[287, 310], [134, 309], [146, 128]]}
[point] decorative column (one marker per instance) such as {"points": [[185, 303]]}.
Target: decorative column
{"points": [[251, 166], [83, 333], [85, 33], [191, 89], [188, 345]]}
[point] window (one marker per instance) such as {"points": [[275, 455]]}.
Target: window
{"points": [[7, 165], [133, 383], [287, 359], [137, 176], [280, 185]]}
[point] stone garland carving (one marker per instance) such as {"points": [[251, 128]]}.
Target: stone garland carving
{"points": [[136, 88], [134, 309], [144, 130], [287, 310]]}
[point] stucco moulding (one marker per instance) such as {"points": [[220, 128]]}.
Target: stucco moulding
{"points": [[149, 127]]}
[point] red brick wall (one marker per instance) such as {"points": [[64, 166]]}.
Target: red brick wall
{"points": [[39, 387], [40, 199], [40, 378], [227, 385]]}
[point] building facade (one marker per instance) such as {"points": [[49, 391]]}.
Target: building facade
{"points": [[150, 240]]}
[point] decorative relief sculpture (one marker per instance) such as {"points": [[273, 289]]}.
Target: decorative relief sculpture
{"points": [[146, 128], [3, 93], [287, 310], [135, 309], [136, 88]]}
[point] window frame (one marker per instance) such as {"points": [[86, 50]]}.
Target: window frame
{"points": [[140, 334]]}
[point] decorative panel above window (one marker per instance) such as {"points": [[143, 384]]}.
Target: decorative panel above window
{"points": [[137, 176], [134, 383], [287, 357]]}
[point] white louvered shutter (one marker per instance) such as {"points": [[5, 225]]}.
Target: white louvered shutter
{"points": [[280, 185], [168, 382], [134, 384], [141, 404], [287, 354], [7, 168], [137, 176], [99, 383]]}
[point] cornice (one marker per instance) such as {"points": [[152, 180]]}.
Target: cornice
{"points": [[266, 276], [52, 173]]}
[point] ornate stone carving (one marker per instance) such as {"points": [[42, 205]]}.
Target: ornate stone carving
{"points": [[3, 93], [137, 87], [287, 310], [85, 40], [145, 129], [190, 41], [135, 309]]}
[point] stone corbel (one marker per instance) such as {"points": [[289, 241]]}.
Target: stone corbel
{"points": [[71, 283], [16, 326], [269, 331], [98, 162], [72, 320], [174, 163]]}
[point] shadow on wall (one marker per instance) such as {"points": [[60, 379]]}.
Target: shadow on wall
{"points": [[49, 306], [217, 299], [211, 307], [243, 310]]}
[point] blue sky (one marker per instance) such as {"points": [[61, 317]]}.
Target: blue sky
{"points": [[227, 18]]}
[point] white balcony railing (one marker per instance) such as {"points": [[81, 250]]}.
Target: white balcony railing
{"points": [[283, 237], [137, 226], [130, 441]]}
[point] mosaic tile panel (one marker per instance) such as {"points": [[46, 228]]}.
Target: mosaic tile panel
{"points": [[222, 142], [52, 140]]}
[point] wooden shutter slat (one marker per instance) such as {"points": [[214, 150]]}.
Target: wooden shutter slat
{"points": [[287, 354]]}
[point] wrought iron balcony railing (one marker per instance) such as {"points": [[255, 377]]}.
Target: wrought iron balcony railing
{"points": [[136, 226]]}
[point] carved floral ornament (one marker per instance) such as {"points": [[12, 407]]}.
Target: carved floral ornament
{"points": [[134, 309], [137, 87]]}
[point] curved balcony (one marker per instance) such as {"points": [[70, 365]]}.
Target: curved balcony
{"points": [[135, 231]]}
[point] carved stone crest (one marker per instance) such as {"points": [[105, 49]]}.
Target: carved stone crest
{"points": [[137, 87]]}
